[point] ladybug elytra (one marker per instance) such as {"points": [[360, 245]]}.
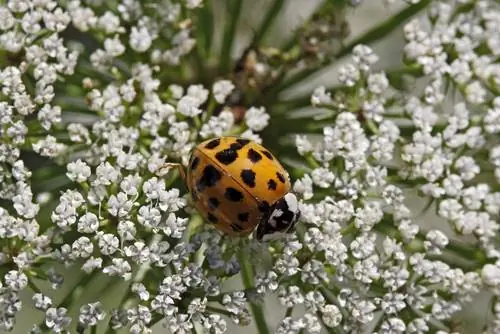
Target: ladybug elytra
{"points": [[238, 185]]}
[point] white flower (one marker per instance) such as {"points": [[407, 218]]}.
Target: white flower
{"points": [[31, 22], [303, 144], [83, 18], [153, 187], [304, 186], [393, 325], [322, 177], [176, 90], [88, 223], [435, 241], [198, 92], [56, 20], [16, 280], [321, 97], [256, 118], [106, 174], [191, 4], [18, 6], [491, 275], [331, 315], [221, 90], [364, 57], [49, 115], [113, 46], [109, 22], [7, 20], [249, 134], [492, 118], [119, 205], [467, 167], [349, 75], [377, 83], [48, 147], [140, 39], [78, 171], [108, 244], [189, 106], [475, 93], [217, 125]]}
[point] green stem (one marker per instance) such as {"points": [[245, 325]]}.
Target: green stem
{"points": [[467, 251], [78, 290], [219, 311], [33, 286], [247, 278], [232, 15], [212, 104], [377, 33], [312, 162], [268, 20], [349, 229]]}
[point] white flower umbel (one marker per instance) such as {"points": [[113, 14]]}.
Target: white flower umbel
{"points": [[97, 101]]}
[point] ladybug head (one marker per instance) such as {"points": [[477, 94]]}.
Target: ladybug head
{"points": [[281, 219]]}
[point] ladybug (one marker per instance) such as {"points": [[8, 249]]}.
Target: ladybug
{"points": [[238, 185]]}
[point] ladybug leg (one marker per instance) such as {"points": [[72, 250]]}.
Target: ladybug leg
{"points": [[179, 167]]}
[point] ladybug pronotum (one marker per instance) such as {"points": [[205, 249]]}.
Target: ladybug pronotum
{"points": [[238, 185]]}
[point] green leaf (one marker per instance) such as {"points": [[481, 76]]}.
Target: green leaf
{"points": [[205, 29], [267, 22], [233, 11]]}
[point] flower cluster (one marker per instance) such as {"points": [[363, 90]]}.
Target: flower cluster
{"points": [[98, 99]]}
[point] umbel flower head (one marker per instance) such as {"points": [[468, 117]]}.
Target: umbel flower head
{"points": [[397, 169]]}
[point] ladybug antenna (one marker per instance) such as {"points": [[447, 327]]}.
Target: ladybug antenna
{"points": [[167, 166]]}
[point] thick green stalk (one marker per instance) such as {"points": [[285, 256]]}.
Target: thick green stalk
{"points": [[232, 19], [248, 282]]}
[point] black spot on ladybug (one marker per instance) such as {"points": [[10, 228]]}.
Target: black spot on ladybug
{"points": [[233, 195], [226, 156], [243, 216], [194, 163], [236, 227], [267, 154], [254, 156], [213, 203], [211, 218], [235, 146], [281, 177], [213, 144], [239, 144], [264, 206], [271, 184], [242, 142], [248, 177], [209, 178]]}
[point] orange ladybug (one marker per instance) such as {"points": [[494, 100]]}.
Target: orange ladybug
{"points": [[238, 185]]}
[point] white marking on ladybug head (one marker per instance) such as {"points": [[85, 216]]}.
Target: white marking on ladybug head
{"points": [[282, 219], [292, 202]]}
